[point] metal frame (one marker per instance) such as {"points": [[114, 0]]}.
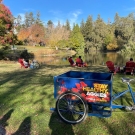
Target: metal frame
{"points": [[117, 95], [101, 109]]}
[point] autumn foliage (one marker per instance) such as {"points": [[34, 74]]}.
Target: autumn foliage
{"points": [[6, 21], [34, 34]]}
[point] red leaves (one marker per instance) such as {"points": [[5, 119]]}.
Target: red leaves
{"points": [[6, 20]]}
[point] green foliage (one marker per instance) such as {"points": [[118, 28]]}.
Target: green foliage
{"points": [[26, 55], [4, 51], [76, 39], [87, 29], [68, 25], [63, 43]]}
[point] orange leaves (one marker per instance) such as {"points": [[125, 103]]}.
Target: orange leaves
{"points": [[23, 34], [112, 46], [35, 33]]}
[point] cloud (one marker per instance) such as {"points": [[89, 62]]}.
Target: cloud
{"points": [[62, 17], [56, 12], [73, 16]]}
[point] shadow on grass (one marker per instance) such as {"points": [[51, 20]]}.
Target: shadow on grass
{"points": [[24, 128], [123, 126], [3, 122], [39, 81], [58, 127]]}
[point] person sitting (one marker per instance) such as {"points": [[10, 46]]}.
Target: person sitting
{"points": [[80, 63], [72, 63], [130, 66], [26, 63]]}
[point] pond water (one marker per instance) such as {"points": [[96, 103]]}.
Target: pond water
{"points": [[91, 58]]}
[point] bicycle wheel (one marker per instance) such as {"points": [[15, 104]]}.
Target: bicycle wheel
{"points": [[36, 65], [71, 108]]}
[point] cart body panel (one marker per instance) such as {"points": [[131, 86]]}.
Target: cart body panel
{"points": [[95, 88]]}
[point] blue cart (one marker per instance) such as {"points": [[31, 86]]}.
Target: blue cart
{"points": [[80, 94]]}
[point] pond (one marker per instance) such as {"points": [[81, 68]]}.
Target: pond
{"points": [[91, 58]]}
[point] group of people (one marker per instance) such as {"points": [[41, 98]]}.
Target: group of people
{"points": [[128, 68], [79, 62], [25, 63]]}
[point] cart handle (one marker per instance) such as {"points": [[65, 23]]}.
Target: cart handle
{"points": [[127, 80]]}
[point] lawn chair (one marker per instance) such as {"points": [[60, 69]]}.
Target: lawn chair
{"points": [[71, 62], [130, 67], [112, 68], [22, 64]]}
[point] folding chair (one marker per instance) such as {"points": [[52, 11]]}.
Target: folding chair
{"points": [[112, 68], [22, 64]]}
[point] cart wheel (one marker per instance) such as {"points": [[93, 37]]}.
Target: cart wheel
{"points": [[71, 107]]}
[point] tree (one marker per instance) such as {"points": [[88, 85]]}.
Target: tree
{"points": [[37, 34], [23, 35], [86, 30], [56, 34], [76, 40], [38, 20], [33, 35], [29, 19], [99, 33], [67, 25], [124, 29], [82, 27], [6, 25], [49, 23]]}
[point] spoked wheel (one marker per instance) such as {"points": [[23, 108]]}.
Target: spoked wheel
{"points": [[36, 65], [71, 108]]}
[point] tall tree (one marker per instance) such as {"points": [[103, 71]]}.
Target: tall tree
{"points": [[38, 20], [82, 27], [124, 29], [49, 23], [87, 32], [77, 40], [56, 34], [99, 33], [68, 25], [29, 19]]}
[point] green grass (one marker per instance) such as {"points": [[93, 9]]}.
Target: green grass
{"points": [[26, 97]]}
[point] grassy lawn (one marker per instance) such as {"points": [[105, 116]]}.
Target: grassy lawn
{"points": [[26, 97]]}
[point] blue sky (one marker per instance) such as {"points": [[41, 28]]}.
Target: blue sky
{"points": [[73, 10]]}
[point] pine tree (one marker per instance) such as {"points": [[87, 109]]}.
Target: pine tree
{"points": [[67, 25], [76, 40]]}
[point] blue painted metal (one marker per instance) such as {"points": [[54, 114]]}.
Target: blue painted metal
{"points": [[132, 93], [100, 108], [86, 81], [117, 106], [117, 95]]}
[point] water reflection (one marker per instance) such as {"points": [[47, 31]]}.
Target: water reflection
{"points": [[93, 58], [101, 58]]}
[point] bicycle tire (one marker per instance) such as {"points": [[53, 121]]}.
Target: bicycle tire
{"points": [[71, 108]]}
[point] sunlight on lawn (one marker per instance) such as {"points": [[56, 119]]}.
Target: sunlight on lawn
{"points": [[26, 97]]}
